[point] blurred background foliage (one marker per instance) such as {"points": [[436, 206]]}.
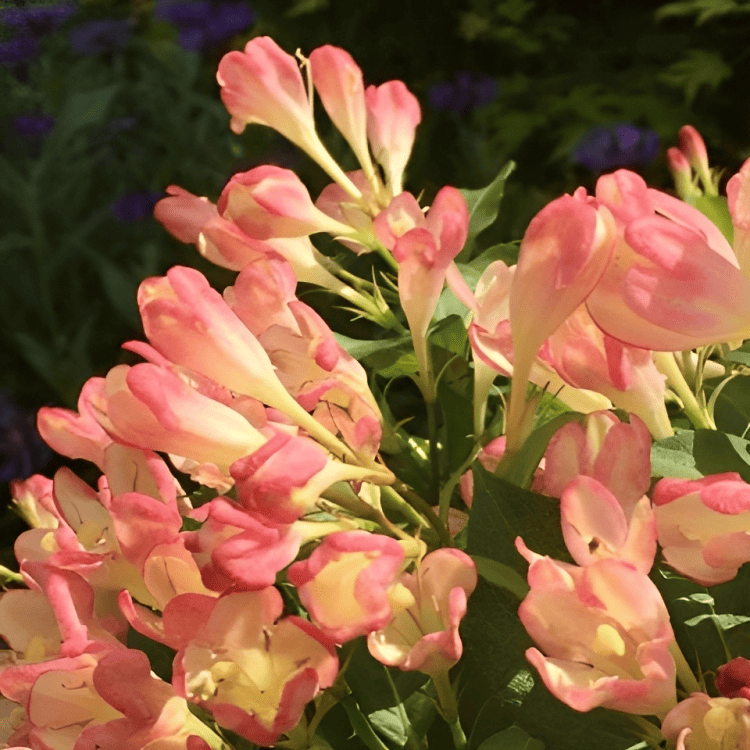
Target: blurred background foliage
{"points": [[107, 102]]}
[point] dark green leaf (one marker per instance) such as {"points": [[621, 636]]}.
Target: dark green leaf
{"points": [[501, 575], [484, 204], [512, 738]]}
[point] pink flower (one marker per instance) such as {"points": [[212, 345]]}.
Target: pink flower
{"points": [[108, 700], [596, 525], [76, 435], [284, 479], [338, 80], [236, 659], [587, 358], [306, 357], [264, 85], [348, 585], [615, 453], [393, 114], [704, 525], [603, 633], [151, 407], [270, 202], [34, 503], [235, 549], [566, 249], [197, 221], [674, 283], [738, 198], [424, 636], [704, 723], [424, 247]]}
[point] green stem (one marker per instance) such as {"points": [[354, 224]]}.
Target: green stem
{"points": [[667, 365], [432, 432], [449, 708], [447, 490], [390, 495], [647, 731], [684, 674], [418, 502]]}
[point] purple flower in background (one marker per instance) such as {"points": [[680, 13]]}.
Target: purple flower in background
{"points": [[135, 206], [619, 145], [33, 125], [38, 20], [18, 50], [22, 450], [463, 92], [201, 23], [95, 37]]}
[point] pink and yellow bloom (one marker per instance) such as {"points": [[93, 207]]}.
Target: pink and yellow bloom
{"points": [[424, 635], [603, 633]]}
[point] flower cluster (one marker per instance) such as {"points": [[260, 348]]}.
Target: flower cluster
{"points": [[258, 507]]}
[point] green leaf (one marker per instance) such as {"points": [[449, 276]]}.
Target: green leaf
{"points": [[84, 108], [673, 456], [697, 69], [501, 575], [715, 208], [484, 206], [501, 512], [512, 738], [732, 407], [359, 348], [519, 468]]}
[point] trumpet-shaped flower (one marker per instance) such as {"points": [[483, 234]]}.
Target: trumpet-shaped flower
{"points": [[587, 358], [738, 199], [252, 671], [235, 549], [704, 525], [197, 221], [596, 525], [108, 700], [338, 81], [76, 435], [674, 282], [269, 202], [307, 359], [349, 584], [263, 84], [617, 454], [701, 722], [393, 114], [424, 636], [603, 633]]}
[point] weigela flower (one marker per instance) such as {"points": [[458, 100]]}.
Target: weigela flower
{"points": [[674, 283], [269, 202], [424, 636], [108, 699], [617, 454], [349, 584], [236, 549], [704, 525], [603, 633], [701, 722], [393, 114], [338, 81], [597, 525], [236, 659]]}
